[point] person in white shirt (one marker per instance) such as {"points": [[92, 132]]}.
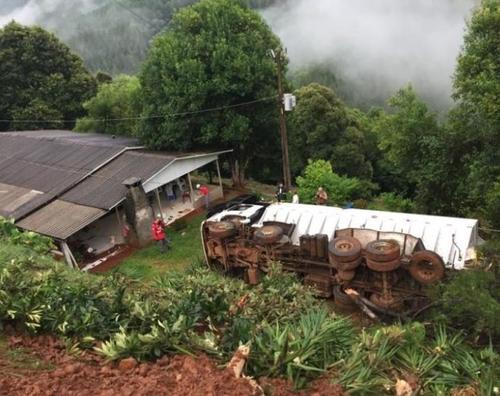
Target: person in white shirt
{"points": [[295, 197]]}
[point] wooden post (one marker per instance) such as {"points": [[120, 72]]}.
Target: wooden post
{"points": [[70, 259], [157, 193], [191, 193], [218, 175]]}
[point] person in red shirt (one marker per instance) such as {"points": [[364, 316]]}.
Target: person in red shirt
{"points": [[204, 192], [158, 233]]}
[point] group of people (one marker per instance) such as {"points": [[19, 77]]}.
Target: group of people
{"points": [[321, 195]]}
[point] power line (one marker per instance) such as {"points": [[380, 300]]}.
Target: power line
{"points": [[185, 113]]}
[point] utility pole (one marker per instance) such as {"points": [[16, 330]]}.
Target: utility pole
{"points": [[279, 57]]}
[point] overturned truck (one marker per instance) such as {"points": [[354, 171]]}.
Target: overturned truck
{"points": [[382, 259]]}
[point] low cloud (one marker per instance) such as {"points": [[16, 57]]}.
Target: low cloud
{"points": [[377, 46]]}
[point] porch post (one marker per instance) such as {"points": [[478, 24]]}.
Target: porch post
{"points": [[70, 259], [191, 193], [218, 175], [157, 193]]}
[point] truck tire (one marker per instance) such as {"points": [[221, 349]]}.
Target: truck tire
{"points": [[342, 300], [344, 249], [345, 266], [221, 229], [346, 275], [383, 250], [268, 234], [426, 267], [383, 266]]}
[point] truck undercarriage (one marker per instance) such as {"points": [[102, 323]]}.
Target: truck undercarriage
{"points": [[358, 267]]}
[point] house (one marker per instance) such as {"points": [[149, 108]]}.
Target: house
{"points": [[90, 192]]}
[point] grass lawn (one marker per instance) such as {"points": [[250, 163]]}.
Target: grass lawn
{"points": [[147, 263]]}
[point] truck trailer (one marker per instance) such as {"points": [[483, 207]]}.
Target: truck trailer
{"points": [[382, 259]]}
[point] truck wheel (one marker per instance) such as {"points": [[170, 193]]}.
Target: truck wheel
{"points": [[346, 275], [383, 266], [342, 300], [426, 267], [383, 250], [268, 234], [345, 266], [221, 229], [344, 249]]}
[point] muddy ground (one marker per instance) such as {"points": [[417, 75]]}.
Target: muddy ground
{"points": [[42, 366]]}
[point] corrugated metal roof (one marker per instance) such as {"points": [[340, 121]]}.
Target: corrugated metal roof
{"points": [[450, 237], [84, 172], [51, 161], [60, 219], [13, 199], [104, 188], [95, 139]]}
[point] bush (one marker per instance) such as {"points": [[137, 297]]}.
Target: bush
{"points": [[340, 189], [392, 202], [10, 233], [469, 301]]}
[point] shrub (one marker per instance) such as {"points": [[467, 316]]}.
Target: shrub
{"points": [[392, 202], [10, 233], [340, 189], [469, 301]]}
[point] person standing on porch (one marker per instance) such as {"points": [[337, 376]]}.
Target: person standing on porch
{"points": [[158, 233], [204, 192]]}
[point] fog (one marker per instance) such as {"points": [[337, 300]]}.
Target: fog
{"points": [[376, 46], [373, 47], [44, 12]]}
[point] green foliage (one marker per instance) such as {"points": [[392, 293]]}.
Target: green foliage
{"points": [[477, 77], [492, 207], [109, 110], [40, 78], [392, 202], [469, 301], [440, 361], [475, 121], [214, 54], [302, 349], [289, 333], [340, 189], [10, 233], [417, 151], [322, 127]]}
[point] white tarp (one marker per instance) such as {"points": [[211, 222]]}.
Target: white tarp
{"points": [[454, 239]]}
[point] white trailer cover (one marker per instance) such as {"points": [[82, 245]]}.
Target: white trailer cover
{"points": [[454, 239]]}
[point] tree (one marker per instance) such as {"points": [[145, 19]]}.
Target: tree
{"points": [[420, 152], [111, 110], [322, 127], [476, 119], [40, 78], [214, 55], [340, 189]]}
